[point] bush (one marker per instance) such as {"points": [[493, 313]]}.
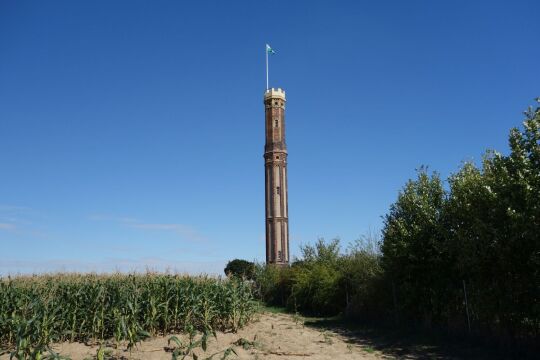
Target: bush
{"points": [[272, 284], [323, 281], [367, 293]]}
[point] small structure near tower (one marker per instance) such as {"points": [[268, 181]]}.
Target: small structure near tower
{"points": [[275, 163]]}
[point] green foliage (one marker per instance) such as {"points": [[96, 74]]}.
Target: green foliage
{"points": [[272, 284], [242, 269], [181, 351], [363, 282], [315, 280], [38, 310], [324, 281], [482, 232], [414, 245]]}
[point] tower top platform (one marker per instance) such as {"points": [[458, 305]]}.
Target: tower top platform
{"points": [[274, 93]]}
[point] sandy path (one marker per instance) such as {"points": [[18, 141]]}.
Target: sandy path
{"points": [[275, 336]]}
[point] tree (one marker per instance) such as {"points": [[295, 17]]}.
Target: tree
{"points": [[494, 217], [240, 268], [482, 232], [414, 249]]}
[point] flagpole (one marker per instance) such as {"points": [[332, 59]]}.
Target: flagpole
{"points": [[266, 51]]}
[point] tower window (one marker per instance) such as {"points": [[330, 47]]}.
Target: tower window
{"points": [[276, 123], [278, 191], [275, 102]]}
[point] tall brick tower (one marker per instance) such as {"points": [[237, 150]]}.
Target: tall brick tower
{"points": [[275, 163]]}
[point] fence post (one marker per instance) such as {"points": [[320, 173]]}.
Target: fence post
{"points": [[467, 306]]}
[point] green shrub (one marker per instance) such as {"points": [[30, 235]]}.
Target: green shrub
{"points": [[272, 284], [366, 289], [315, 280], [323, 281]]}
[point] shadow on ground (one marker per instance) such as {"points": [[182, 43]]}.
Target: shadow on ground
{"points": [[410, 343]]}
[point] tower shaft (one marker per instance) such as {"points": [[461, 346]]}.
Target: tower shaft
{"points": [[275, 162]]}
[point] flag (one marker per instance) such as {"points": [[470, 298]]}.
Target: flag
{"points": [[269, 49]]}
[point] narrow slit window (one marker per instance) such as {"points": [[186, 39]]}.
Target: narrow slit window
{"points": [[276, 123], [278, 191]]}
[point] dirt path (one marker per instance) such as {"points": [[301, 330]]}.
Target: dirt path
{"points": [[273, 336]]}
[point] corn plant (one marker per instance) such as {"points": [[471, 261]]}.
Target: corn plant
{"points": [[36, 311]]}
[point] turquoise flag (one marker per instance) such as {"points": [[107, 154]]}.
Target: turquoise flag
{"points": [[269, 49]]}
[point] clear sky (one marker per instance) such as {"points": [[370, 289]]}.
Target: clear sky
{"points": [[131, 132]]}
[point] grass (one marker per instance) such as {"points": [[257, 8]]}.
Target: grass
{"points": [[368, 349]]}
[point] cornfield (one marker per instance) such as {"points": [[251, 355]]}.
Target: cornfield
{"points": [[38, 310]]}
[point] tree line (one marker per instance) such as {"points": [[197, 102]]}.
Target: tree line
{"points": [[461, 254]]}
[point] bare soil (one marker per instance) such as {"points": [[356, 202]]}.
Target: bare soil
{"points": [[270, 336], [280, 336]]}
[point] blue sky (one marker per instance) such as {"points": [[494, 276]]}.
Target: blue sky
{"points": [[131, 132]]}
